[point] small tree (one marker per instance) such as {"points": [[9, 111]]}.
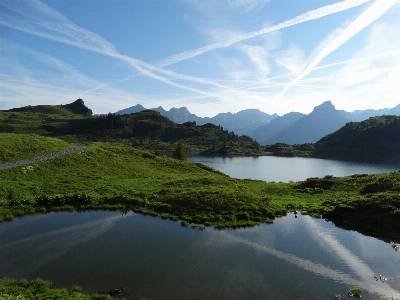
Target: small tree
{"points": [[179, 151]]}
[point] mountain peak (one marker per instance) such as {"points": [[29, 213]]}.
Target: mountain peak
{"points": [[79, 107], [324, 108], [325, 105]]}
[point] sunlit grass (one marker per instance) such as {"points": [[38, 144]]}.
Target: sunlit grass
{"points": [[19, 146], [115, 176], [36, 289]]}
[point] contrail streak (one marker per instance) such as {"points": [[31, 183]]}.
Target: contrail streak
{"points": [[51, 245], [372, 13], [68, 33], [246, 87], [368, 284], [308, 16], [65, 31]]}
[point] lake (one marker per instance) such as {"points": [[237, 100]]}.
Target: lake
{"points": [[285, 169], [294, 258], [297, 257]]}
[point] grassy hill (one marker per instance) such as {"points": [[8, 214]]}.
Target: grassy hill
{"points": [[19, 146], [121, 177], [375, 139], [147, 129], [111, 174]]}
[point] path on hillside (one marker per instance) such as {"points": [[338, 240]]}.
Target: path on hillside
{"points": [[39, 158]]}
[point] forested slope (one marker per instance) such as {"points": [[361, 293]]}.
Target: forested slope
{"points": [[375, 139]]}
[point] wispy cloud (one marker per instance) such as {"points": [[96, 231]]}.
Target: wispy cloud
{"points": [[41, 20], [38, 19], [319, 269], [51, 245], [57, 79], [259, 56], [246, 5], [308, 16], [50, 24], [372, 13], [292, 59]]}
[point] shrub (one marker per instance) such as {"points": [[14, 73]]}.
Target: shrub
{"points": [[355, 292], [179, 151]]}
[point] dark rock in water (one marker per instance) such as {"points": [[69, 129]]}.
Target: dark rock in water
{"points": [[114, 292]]}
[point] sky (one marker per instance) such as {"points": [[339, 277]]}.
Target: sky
{"points": [[210, 56]]}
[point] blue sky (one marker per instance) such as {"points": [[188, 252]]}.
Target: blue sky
{"points": [[210, 56]]}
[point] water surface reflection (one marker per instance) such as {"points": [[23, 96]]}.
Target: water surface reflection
{"points": [[154, 258], [285, 169]]}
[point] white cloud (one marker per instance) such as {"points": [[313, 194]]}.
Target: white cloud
{"points": [[372, 72], [246, 5], [259, 56], [308, 16], [372, 13], [41, 20], [212, 6], [293, 58], [220, 92]]}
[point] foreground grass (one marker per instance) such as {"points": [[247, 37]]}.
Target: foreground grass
{"points": [[38, 289], [19, 146], [118, 177]]}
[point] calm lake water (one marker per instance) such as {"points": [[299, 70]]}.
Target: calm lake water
{"points": [[149, 257], [285, 169], [294, 258]]}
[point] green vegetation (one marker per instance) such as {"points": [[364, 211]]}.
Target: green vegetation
{"points": [[116, 176], [15, 147], [179, 151], [147, 129], [286, 150], [111, 174], [375, 139], [355, 292], [39, 289], [116, 172]]}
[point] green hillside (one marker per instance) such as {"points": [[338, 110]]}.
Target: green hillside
{"points": [[376, 139], [121, 177], [147, 129], [19, 146], [111, 174]]}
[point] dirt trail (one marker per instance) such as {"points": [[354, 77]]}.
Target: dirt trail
{"points": [[39, 158]]}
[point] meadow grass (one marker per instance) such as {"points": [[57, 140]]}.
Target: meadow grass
{"points": [[39, 289], [19, 146], [119, 177]]}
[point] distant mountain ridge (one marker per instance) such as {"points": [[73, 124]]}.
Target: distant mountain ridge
{"points": [[360, 115], [291, 128], [323, 120], [268, 134], [236, 122]]}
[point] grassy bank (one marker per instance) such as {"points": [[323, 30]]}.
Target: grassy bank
{"points": [[38, 289], [115, 176], [20, 146]]}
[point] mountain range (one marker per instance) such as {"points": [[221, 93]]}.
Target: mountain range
{"points": [[244, 122], [291, 128]]}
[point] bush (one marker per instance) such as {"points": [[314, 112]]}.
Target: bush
{"points": [[179, 151], [355, 292]]}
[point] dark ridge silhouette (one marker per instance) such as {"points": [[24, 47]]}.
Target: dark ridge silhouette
{"points": [[79, 107]]}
